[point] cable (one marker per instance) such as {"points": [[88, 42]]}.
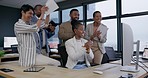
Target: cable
{"points": [[140, 66], [143, 64]]}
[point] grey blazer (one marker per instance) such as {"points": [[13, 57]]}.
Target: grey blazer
{"points": [[89, 31]]}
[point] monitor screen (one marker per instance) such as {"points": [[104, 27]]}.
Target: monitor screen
{"points": [[53, 43], [8, 41]]}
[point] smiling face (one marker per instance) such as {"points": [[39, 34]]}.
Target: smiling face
{"points": [[79, 32], [74, 15], [27, 15], [97, 18], [38, 11]]}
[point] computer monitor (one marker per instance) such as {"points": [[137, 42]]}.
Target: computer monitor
{"points": [[128, 44], [128, 48], [8, 41], [53, 43]]}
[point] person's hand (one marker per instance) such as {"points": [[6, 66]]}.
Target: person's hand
{"points": [[98, 34], [46, 26], [88, 46], [43, 9], [95, 34]]}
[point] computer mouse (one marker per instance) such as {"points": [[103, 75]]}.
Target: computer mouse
{"points": [[98, 72]]}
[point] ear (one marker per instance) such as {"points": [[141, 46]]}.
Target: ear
{"points": [[69, 15], [22, 12], [75, 30]]}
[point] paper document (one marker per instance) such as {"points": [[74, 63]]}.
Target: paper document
{"points": [[52, 6], [103, 30]]}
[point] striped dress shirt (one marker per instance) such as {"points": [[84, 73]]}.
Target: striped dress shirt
{"points": [[25, 34]]}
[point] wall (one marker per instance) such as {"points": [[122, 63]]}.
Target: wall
{"points": [[8, 17]]}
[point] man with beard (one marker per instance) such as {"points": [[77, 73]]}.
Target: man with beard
{"points": [[42, 32], [65, 32]]}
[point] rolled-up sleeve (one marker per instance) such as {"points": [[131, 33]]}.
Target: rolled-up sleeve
{"points": [[24, 28]]}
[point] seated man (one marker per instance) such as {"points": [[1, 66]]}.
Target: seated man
{"points": [[78, 49]]}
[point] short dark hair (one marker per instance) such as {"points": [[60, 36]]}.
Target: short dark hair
{"points": [[26, 7], [37, 6], [95, 13], [53, 23], [75, 24], [73, 10]]}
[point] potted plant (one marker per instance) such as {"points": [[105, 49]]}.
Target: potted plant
{"points": [[2, 53]]}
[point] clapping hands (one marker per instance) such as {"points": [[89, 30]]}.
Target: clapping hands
{"points": [[95, 34], [88, 46]]}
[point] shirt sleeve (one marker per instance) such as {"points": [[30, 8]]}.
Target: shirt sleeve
{"points": [[24, 28], [72, 52], [90, 56]]}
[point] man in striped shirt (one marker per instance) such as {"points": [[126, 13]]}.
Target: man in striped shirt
{"points": [[26, 34]]}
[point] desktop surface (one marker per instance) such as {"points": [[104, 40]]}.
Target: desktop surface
{"points": [[58, 72]]}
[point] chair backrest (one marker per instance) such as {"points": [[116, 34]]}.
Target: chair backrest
{"points": [[110, 52], [63, 54], [14, 48], [105, 59]]}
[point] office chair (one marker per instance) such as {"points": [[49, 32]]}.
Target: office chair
{"points": [[14, 48], [111, 54], [63, 54], [105, 59]]}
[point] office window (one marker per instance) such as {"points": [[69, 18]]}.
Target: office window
{"points": [[107, 8], [139, 27], [65, 13], [55, 16], [132, 6], [111, 33]]}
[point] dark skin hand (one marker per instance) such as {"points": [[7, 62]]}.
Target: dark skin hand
{"points": [[88, 46], [95, 34]]}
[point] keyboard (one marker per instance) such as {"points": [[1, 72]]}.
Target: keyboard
{"points": [[105, 67]]}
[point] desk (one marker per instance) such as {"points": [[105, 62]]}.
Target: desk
{"points": [[13, 55], [58, 72]]}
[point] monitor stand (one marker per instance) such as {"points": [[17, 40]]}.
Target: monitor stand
{"points": [[134, 68], [129, 69]]}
